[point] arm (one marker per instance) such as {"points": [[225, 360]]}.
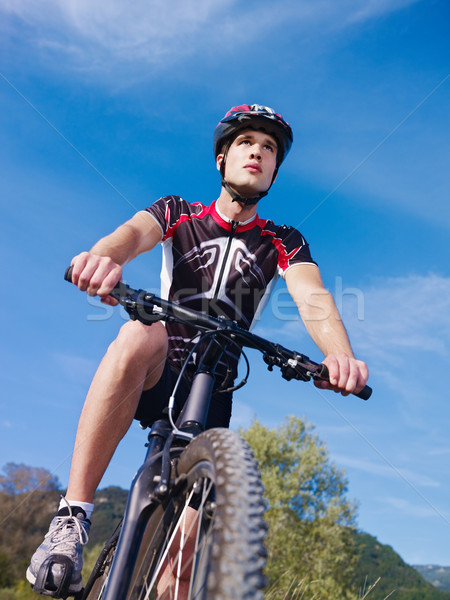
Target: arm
{"points": [[97, 271], [323, 322]]}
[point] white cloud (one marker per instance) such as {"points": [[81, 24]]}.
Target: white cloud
{"points": [[405, 339], [376, 8], [401, 314], [410, 509], [443, 451], [155, 32], [386, 470]]}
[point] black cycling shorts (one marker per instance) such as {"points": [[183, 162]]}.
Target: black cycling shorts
{"points": [[154, 401]]}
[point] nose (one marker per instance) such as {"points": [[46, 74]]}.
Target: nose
{"points": [[256, 152]]}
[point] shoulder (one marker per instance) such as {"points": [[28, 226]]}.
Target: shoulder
{"points": [[291, 246], [177, 204], [280, 232], [172, 211]]}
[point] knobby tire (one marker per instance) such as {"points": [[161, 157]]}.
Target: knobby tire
{"points": [[206, 542]]}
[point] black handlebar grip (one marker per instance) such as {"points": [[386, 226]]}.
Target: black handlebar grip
{"points": [[364, 394], [68, 274]]}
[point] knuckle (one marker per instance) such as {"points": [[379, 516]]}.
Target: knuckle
{"points": [[83, 280]]}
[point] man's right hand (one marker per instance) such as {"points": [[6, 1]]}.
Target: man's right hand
{"points": [[96, 275]]}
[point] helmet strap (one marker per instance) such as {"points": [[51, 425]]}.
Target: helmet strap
{"points": [[235, 197]]}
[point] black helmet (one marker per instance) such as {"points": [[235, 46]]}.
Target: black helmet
{"points": [[258, 117]]}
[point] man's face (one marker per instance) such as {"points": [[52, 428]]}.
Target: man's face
{"points": [[250, 162]]}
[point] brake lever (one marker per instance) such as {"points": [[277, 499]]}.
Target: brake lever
{"points": [[136, 303], [296, 367], [300, 367], [291, 368]]}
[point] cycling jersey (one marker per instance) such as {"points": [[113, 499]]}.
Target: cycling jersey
{"points": [[219, 266]]}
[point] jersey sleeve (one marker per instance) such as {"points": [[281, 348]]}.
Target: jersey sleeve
{"points": [[170, 211], [167, 212], [293, 249]]}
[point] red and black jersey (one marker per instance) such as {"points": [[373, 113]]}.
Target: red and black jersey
{"points": [[219, 266]]}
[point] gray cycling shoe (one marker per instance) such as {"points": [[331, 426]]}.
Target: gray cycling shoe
{"points": [[55, 568]]}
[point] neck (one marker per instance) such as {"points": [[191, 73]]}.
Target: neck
{"points": [[236, 211]]}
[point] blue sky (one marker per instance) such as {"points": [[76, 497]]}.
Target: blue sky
{"points": [[106, 107]]}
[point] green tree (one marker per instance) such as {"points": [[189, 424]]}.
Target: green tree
{"points": [[28, 501], [20, 478], [6, 578], [310, 520]]}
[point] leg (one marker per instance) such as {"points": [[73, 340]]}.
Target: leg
{"points": [[133, 362]]}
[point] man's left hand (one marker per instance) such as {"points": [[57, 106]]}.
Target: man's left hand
{"points": [[347, 374]]}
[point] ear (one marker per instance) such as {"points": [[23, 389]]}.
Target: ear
{"points": [[219, 161]]}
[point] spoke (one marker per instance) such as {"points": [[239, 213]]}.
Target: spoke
{"points": [[180, 552], [184, 530], [169, 543], [165, 558], [193, 559], [205, 494]]}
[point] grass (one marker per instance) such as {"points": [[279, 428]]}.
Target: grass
{"points": [[300, 591]]}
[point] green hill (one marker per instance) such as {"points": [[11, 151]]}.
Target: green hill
{"points": [[380, 561], [109, 508], [438, 576]]}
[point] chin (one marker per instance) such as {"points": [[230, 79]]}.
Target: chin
{"points": [[248, 190]]}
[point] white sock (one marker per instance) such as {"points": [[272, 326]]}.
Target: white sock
{"points": [[86, 506]]}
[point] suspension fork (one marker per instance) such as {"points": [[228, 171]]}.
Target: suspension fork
{"points": [[139, 504], [195, 411]]}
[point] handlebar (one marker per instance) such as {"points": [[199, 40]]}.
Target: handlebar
{"points": [[149, 308]]}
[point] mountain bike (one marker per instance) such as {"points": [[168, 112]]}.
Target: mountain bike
{"points": [[193, 526]]}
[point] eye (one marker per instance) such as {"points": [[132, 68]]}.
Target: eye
{"points": [[269, 148]]}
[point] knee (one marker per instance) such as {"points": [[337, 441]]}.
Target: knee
{"points": [[136, 340]]}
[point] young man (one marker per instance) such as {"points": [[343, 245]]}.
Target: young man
{"points": [[222, 259]]}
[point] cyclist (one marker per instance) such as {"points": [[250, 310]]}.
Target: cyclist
{"points": [[221, 258]]}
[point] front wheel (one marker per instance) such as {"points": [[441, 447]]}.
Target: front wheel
{"points": [[207, 541]]}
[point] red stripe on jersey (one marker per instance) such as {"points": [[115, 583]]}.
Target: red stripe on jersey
{"points": [[183, 217], [227, 224], [218, 219], [283, 256]]}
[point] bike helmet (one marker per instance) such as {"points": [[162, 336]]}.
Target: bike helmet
{"points": [[254, 116], [251, 116]]}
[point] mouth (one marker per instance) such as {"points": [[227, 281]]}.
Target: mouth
{"points": [[253, 167]]}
